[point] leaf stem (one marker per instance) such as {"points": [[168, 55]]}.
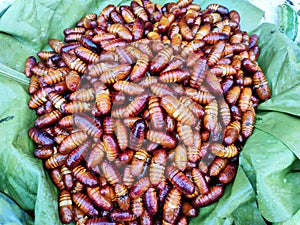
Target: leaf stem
{"points": [[13, 74]]}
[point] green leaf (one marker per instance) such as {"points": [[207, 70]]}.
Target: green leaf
{"points": [[294, 220], [265, 122], [288, 20], [267, 161], [22, 176], [280, 60], [267, 182], [20, 52], [11, 213]]}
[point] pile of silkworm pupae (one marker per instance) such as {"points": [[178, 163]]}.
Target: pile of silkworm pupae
{"points": [[143, 110]]}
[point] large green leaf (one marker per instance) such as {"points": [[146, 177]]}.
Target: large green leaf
{"points": [[22, 176], [11, 213], [280, 59], [267, 162], [268, 180]]}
